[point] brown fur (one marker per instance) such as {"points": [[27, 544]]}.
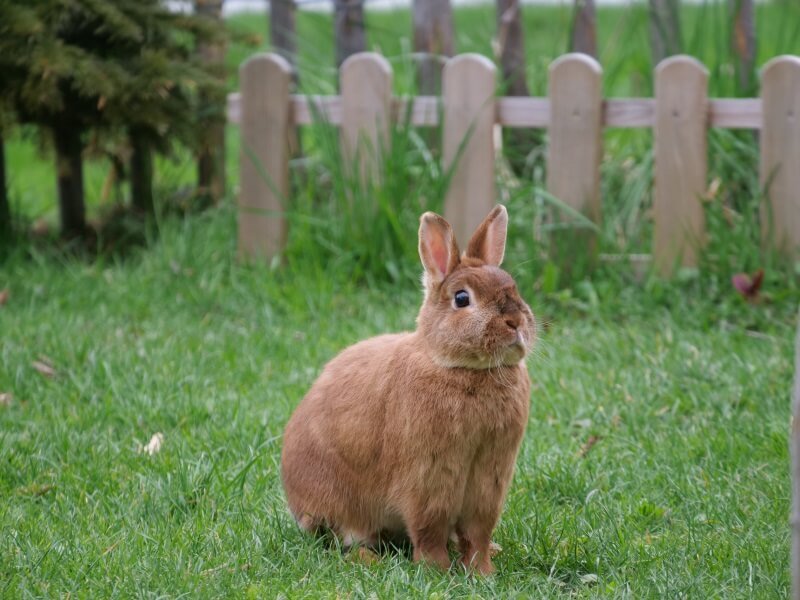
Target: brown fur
{"points": [[417, 433]]}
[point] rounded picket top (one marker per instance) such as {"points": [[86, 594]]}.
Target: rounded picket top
{"points": [[266, 64], [679, 65], [466, 70], [470, 60], [786, 64], [575, 61], [369, 62]]}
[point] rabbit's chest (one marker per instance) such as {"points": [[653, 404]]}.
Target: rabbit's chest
{"points": [[490, 412]]}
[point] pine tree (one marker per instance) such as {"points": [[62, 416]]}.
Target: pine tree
{"points": [[124, 68]]}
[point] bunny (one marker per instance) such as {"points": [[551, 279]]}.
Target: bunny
{"points": [[416, 434]]}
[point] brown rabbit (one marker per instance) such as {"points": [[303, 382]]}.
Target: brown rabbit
{"points": [[416, 433]]}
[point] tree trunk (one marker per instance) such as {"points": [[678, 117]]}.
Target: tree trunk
{"points": [[69, 167], [283, 36], [794, 448], [5, 211], [282, 31], [584, 28], [744, 43], [665, 29], [510, 49], [141, 173], [433, 39], [349, 27], [211, 158]]}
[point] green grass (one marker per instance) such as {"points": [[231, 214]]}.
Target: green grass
{"points": [[655, 463], [685, 493]]}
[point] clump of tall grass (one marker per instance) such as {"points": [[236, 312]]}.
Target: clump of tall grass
{"points": [[363, 224]]}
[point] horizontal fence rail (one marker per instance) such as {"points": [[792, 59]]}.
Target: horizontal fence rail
{"points": [[618, 113], [574, 114]]}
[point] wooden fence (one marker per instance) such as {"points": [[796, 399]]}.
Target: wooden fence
{"points": [[574, 113]]}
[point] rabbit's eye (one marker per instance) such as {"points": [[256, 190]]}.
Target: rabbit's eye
{"points": [[461, 298]]}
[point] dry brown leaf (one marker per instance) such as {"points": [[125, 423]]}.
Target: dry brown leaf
{"points": [[593, 439], [44, 366], [5, 399], [4, 294], [494, 549]]}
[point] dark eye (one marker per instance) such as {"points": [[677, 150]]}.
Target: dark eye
{"points": [[461, 298]]}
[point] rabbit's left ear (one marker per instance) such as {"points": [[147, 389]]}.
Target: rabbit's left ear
{"points": [[437, 248], [488, 243]]}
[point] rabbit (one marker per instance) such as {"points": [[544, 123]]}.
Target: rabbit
{"points": [[416, 434]]}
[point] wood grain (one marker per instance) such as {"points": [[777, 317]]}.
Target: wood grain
{"points": [[468, 84], [780, 154], [680, 162], [366, 82], [264, 156], [575, 149]]}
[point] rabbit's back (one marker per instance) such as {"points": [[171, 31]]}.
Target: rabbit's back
{"points": [[333, 461]]}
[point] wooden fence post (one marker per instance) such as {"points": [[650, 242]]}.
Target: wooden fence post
{"points": [[575, 148], [468, 87], [681, 124], [780, 154], [264, 158], [366, 81]]}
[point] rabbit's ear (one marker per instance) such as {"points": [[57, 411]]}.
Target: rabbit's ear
{"points": [[488, 243], [437, 247]]}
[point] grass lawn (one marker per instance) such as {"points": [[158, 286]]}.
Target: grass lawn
{"points": [[655, 462], [656, 457]]}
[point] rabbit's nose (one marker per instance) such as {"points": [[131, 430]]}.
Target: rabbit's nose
{"points": [[512, 323]]}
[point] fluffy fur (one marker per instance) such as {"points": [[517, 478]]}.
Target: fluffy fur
{"points": [[416, 434]]}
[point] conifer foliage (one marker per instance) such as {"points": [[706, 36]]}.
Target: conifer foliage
{"points": [[121, 73]]}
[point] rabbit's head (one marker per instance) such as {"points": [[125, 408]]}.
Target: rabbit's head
{"points": [[473, 316]]}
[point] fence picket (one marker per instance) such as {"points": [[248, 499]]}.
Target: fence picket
{"points": [[264, 156], [468, 88], [575, 147], [780, 153], [681, 127], [366, 83]]}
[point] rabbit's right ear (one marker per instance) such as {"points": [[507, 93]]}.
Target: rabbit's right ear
{"points": [[437, 247]]}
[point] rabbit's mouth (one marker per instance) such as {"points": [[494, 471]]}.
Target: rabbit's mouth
{"points": [[515, 350]]}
